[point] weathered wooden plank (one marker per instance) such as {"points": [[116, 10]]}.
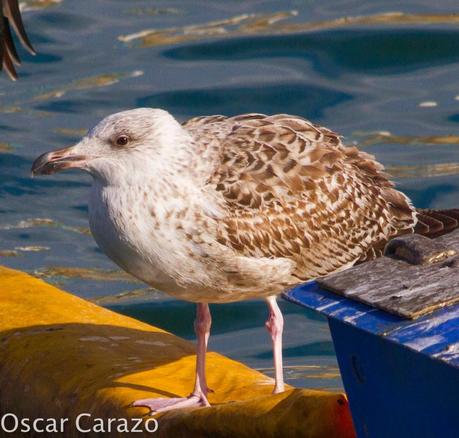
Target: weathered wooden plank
{"points": [[435, 335], [418, 276]]}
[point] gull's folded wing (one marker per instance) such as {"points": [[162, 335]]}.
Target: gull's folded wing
{"points": [[11, 17]]}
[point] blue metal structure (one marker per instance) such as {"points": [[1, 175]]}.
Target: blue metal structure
{"points": [[401, 376]]}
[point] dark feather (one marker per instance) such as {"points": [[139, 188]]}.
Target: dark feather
{"points": [[6, 60], [9, 43], [12, 12], [11, 17], [434, 223]]}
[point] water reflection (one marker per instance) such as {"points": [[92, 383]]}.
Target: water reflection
{"points": [[275, 23], [32, 5], [386, 51], [304, 99]]}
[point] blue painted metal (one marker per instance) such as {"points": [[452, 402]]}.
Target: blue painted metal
{"points": [[401, 376]]}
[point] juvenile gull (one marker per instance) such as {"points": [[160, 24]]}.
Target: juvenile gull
{"points": [[222, 209]]}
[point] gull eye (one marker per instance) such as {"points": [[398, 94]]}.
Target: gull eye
{"points": [[122, 140]]}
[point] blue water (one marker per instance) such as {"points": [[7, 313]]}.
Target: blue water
{"points": [[388, 82]]}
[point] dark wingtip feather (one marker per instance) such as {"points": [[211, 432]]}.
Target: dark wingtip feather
{"points": [[11, 17], [9, 43], [434, 223], [12, 12], [8, 66]]}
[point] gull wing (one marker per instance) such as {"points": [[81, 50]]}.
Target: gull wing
{"points": [[291, 189], [11, 18]]}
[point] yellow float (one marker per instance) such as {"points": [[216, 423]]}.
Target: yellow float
{"points": [[61, 356]]}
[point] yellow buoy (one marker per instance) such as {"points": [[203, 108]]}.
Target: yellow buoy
{"points": [[61, 357]]}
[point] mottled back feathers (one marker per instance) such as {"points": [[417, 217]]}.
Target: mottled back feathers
{"points": [[291, 189]]}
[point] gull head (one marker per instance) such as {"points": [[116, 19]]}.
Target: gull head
{"points": [[122, 145]]}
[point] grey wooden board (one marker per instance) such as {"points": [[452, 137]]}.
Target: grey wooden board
{"points": [[405, 289]]}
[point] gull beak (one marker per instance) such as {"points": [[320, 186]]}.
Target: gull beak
{"points": [[55, 161]]}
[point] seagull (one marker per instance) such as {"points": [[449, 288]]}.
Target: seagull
{"points": [[11, 17], [222, 209]]}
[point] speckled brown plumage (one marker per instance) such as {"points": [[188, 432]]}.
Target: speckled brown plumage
{"points": [[224, 209], [292, 190]]}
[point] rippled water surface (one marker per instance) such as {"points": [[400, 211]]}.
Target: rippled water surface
{"points": [[384, 74]]}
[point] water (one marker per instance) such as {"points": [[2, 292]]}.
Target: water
{"points": [[384, 75]]}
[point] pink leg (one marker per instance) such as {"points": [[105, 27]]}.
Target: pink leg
{"points": [[199, 395], [202, 328], [275, 326]]}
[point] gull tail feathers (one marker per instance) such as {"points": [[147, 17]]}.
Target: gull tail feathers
{"points": [[433, 223]]}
